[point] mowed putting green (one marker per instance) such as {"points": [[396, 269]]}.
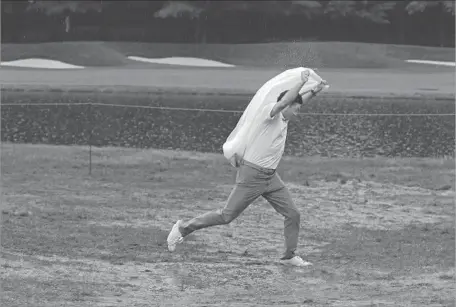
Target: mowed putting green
{"points": [[379, 231]]}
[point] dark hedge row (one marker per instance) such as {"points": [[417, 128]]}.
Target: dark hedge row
{"points": [[422, 136]]}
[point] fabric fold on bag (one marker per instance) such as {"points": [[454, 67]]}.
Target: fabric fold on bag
{"points": [[246, 128]]}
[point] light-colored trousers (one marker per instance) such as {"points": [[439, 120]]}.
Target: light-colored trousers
{"points": [[252, 182]]}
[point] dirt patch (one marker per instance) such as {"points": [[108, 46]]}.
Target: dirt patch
{"points": [[100, 240]]}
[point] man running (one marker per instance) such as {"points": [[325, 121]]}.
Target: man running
{"points": [[256, 175]]}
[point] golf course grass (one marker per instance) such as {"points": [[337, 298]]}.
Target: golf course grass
{"points": [[416, 128], [338, 55], [379, 231], [352, 69]]}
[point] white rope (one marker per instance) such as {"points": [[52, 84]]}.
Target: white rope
{"points": [[167, 108], [221, 111], [45, 104]]}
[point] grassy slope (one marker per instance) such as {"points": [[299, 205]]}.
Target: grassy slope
{"points": [[216, 81], [315, 54], [84, 54], [77, 240], [351, 68]]}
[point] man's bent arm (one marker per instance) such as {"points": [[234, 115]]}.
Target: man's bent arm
{"points": [[290, 96], [307, 96]]}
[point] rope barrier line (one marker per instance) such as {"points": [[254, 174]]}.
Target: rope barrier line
{"points": [[45, 104], [168, 108], [220, 111]]}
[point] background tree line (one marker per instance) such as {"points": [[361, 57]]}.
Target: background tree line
{"points": [[395, 22]]}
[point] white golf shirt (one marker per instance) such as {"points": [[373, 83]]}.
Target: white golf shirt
{"points": [[267, 146]]}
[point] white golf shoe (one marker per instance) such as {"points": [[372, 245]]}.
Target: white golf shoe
{"points": [[295, 261], [174, 237]]}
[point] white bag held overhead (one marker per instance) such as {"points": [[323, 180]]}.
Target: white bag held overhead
{"points": [[238, 140]]}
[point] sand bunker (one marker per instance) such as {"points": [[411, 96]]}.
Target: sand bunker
{"points": [[182, 61], [440, 63], [40, 63]]}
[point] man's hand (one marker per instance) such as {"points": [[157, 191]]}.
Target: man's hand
{"points": [[308, 95], [319, 87], [305, 76], [237, 160]]}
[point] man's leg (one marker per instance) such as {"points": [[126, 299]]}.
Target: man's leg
{"points": [[280, 198], [240, 198], [249, 186]]}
